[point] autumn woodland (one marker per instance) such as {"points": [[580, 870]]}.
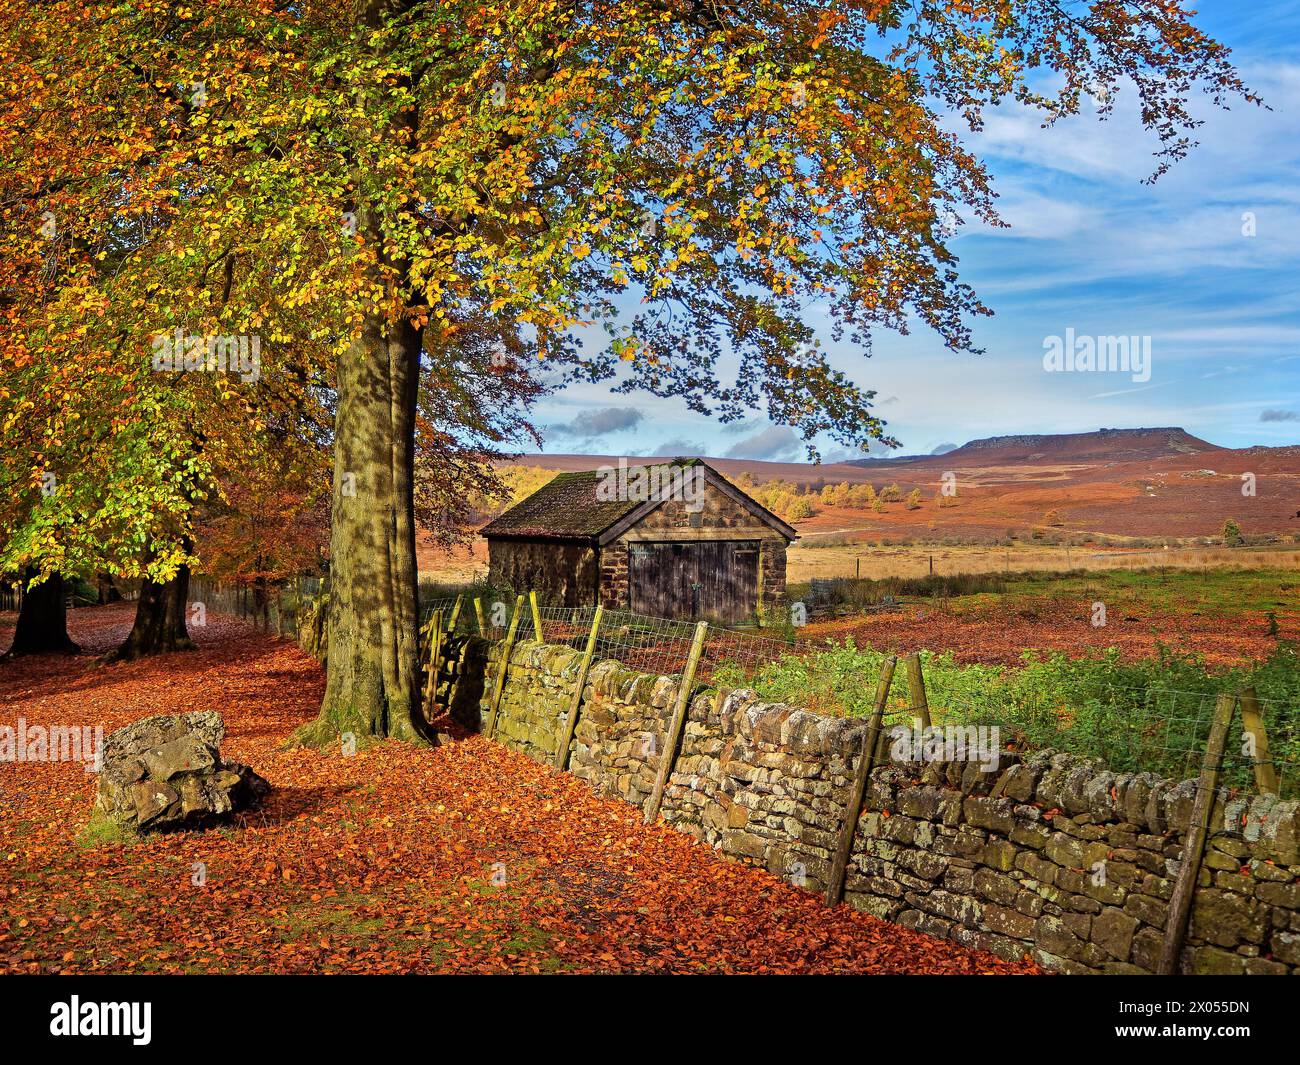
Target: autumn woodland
{"points": [[324, 655]]}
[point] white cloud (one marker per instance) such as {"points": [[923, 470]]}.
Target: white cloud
{"points": [[776, 443]]}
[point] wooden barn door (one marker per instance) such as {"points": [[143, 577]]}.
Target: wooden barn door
{"points": [[658, 579], [729, 580], [717, 580]]}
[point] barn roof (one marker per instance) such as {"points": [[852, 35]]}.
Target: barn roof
{"points": [[569, 507]]}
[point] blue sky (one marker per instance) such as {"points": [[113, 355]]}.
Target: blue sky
{"points": [[1091, 248]]}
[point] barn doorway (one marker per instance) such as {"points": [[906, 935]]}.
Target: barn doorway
{"points": [[713, 580]]}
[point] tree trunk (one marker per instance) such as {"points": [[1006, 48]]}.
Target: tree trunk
{"points": [[42, 627], [159, 619], [372, 668], [108, 592], [372, 687]]}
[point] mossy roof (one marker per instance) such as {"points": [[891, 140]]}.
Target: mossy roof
{"points": [[570, 506]]}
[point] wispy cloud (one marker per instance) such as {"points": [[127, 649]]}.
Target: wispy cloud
{"points": [[1129, 391], [589, 425], [776, 443], [679, 446]]}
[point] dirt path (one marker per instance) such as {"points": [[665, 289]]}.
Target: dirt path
{"points": [[467, 857]]}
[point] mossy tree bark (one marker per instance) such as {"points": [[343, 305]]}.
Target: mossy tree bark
{"points": [[372, 670], [159, 619], [42, 627]]}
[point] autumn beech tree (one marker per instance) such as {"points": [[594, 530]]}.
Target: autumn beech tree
{"points": [[358, 175]]}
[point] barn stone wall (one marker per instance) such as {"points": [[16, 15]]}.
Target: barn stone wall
{"points": [[1050, 856], [567, 574], [562, 574], [720, 518], [719, 512], [574, 574], [771, 576], [614, 589]]}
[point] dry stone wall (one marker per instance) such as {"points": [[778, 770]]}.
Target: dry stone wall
{"points": [[1050, 856]]}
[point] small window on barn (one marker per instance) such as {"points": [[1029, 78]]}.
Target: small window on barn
{"points": [[697, 519]]}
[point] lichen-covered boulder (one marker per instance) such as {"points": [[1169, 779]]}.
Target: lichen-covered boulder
{"points": [[167, 772]]}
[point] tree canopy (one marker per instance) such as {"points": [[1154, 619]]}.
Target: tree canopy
{"points": [[356, 184]]}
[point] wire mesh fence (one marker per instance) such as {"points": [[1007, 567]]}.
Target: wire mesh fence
{"points": [[1162, 730], [1150, 730], [270, 607], [1131, 729], [636, 641]]}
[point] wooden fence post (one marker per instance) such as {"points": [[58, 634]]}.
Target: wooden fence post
{"points": [[435, 636], [858, 789], [920, 707], [478, 614], [1252, 723], [504, 665], [537, 617], [433, 647], [455, 614], [571, 722], [1189, 868], [678, 723]]}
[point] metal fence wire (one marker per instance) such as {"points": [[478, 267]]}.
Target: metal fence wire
{"points": [[1148, 730], [270, 607], [638, 642], [1130, 729]]}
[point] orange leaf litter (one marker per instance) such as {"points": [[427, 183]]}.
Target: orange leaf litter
{"points": [[468, 857]]}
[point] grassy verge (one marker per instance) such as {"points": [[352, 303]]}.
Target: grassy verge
{"points": [[1136, 716]]}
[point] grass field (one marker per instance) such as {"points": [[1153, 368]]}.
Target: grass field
{"points": [[1148, 715], [1225, 617], [805, 561], [1173, 589]]}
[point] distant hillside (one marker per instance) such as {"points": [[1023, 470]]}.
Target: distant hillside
{"points": [[1151, 483], [794, 472], [1104, 445]]}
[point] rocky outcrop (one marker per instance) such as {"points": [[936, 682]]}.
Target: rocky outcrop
{"points": [[167, 772]]}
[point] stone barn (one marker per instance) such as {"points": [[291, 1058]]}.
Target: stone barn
{"points": [[672, 539]]}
